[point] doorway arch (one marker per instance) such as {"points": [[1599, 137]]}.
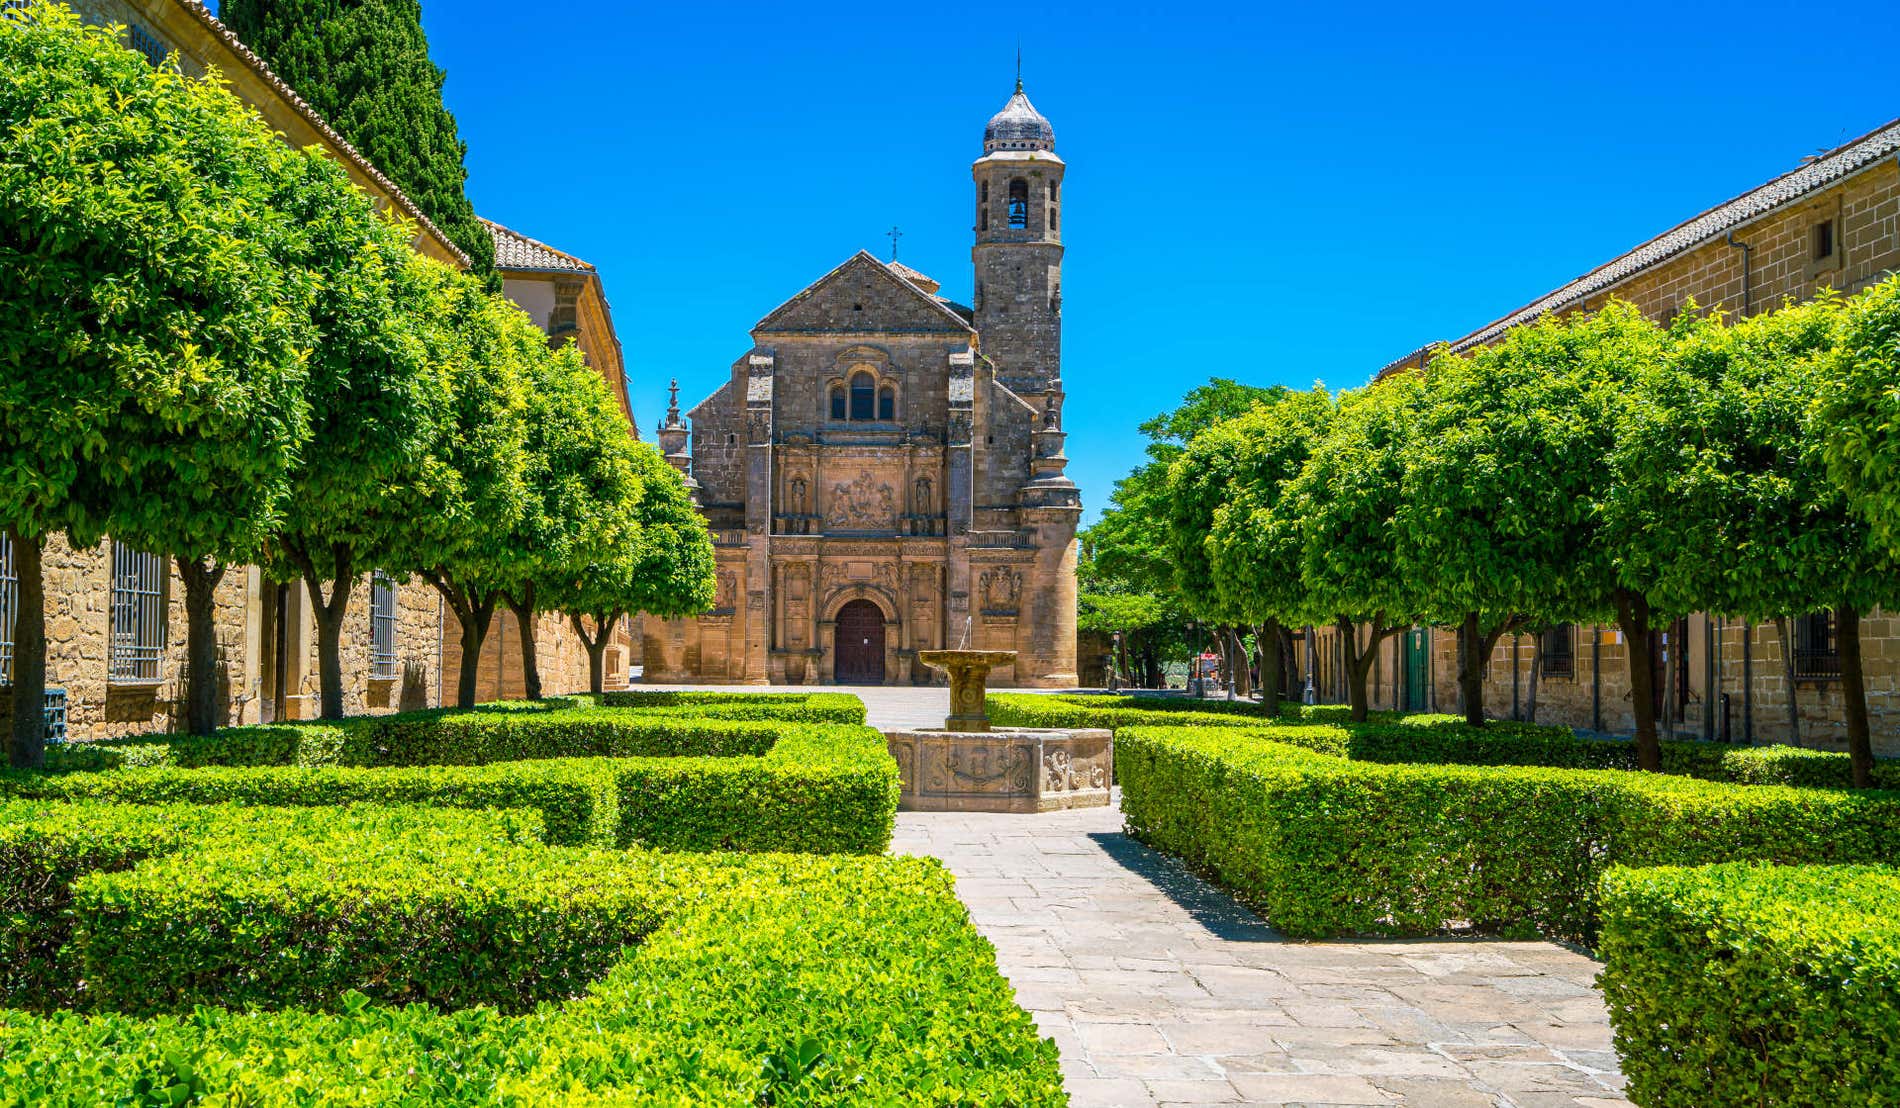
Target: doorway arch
{"points": [[858, 644]]}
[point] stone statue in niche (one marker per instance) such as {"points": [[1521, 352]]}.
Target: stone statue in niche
{"points": [[728, 590], [797, 496], [925, 496]]}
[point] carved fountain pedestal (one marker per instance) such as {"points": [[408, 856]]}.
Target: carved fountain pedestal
{"points": [[969, 766]]}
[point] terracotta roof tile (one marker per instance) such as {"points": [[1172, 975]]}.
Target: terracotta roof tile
{"points": [[514, 250]]}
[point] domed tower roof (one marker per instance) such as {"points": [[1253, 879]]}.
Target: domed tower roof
{"points": [[1019, 126]]}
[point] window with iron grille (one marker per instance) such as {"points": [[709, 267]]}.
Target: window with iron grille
{"points": [[138, 616], [382, 626], [1560, 651], [1817, 656], [147, 44], [9, 604]]}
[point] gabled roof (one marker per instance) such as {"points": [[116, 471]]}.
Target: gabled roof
{"points": [[1816, 176], [809, 312], [514, 250], [250, 60]]}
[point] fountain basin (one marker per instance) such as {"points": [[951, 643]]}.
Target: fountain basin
{"points": [[1009, 769]]}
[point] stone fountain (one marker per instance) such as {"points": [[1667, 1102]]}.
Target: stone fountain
{"points": [[970, 766]]}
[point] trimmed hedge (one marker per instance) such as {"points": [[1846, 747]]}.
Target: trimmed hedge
{"points": [[1328, 846], [578, 799], [1116, 712], [767, 980], [1736, 985], [819, 790], [700, 784], [1446, 740], [791, 707]]}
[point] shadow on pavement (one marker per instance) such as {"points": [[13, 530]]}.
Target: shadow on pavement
{"points": [[1213, 909]]}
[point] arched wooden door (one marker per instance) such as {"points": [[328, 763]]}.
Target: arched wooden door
{"points": [[859, 644]]}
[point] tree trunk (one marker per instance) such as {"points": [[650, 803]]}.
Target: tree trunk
{"points": [[1359, 662], [201, 577], [1272, 669], [1242, 683], [1290, 660], [1537, 668], [1787, 670], [28, 748], [1632, 616], [1471, 669], [1860, 743], [330, 615], [596, 647], [530, 659]]}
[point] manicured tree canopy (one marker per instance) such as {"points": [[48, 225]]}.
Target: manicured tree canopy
{"points": [[151, 351], [377, 397], [1230, 528], [364, 66], [1498, 499], [459, 529], [1345, 498], [660, 560], [580, 481], [1584, 371], [1862, 416], [1745, 407]]}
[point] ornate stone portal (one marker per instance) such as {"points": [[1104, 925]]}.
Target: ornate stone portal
{"points": [[971, 767]]}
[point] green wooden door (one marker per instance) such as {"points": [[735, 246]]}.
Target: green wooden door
{"points": [[1417, 670]]}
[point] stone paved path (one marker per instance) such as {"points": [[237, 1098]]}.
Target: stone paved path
{"points": [[1160, 989]]}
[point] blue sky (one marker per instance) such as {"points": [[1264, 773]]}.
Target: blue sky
{"points": [[1272, 193]]}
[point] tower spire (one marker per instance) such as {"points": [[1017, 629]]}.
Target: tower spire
{"points": [[1019, 65]]}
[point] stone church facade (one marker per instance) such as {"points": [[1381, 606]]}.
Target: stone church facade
{"points": [[883, 471]]}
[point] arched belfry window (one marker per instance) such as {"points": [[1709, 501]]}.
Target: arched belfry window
{"points": [[837, 402], [886, 404], [1055, 206], [863, 396], [1019, 204], [983, 209]]}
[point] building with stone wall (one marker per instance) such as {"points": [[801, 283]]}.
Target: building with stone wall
{"points": [[1832, 223], [115, 616], [883, 470]]}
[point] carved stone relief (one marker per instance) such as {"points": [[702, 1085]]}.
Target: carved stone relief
{"points": [[865, 504]]}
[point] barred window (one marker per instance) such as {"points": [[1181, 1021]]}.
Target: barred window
{"points": [[9, 606], [1560, 651], [1817, 656], [147, 44], [382, 626], [863, 396], [138, 615]]}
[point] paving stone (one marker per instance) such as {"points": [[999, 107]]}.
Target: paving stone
{"points": [[1159, 989], [1308, 1088]]}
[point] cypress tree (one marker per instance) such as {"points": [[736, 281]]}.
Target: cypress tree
{"points": [[364, 66]]}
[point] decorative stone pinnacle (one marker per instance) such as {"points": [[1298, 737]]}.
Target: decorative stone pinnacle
{"points": [[1049, 415]]}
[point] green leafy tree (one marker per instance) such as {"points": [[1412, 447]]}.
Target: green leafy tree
{"points": [[364, 66], [1150, 623], [151, 354], [462, 528], [581, 488], [1231, 533], [1861, 447], [1498, 498], [1748, 405], [661, 563], [1345, 498], [378, 395]]}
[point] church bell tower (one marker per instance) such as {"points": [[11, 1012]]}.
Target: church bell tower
{"points": [[1018, 251]]}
